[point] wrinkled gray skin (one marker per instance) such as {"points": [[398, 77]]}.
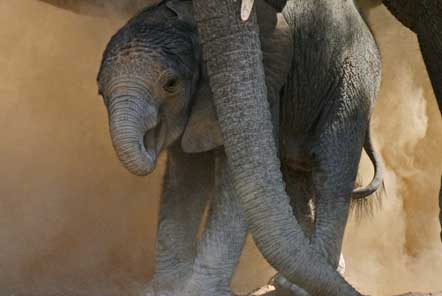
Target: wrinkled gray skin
{"points": [[150, 72]]}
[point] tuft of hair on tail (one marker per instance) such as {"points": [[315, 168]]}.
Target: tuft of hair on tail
{"points": [[365, 208]]}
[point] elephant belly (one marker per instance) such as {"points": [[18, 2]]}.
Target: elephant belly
{"points": [[299, 164], [297, 153]]}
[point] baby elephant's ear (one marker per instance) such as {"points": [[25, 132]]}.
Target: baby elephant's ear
{"points": [[183, 10], [202, 131]]}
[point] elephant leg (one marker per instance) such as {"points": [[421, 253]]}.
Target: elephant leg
{"points": [[220, 246], [188, 183], [299, 188]]}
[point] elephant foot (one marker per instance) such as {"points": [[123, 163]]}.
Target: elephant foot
{"points": [[206, 287], [154, 292], [285, 288], [166, 285], [156, 289], [187, 287]]}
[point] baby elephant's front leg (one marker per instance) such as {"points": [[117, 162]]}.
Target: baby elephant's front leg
{"points": [[223, 238], [188, 183]]}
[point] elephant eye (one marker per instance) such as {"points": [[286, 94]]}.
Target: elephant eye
{"points": [[170, 85]]}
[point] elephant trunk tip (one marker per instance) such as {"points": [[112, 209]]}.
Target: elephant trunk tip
{"points": [[140, 163]]}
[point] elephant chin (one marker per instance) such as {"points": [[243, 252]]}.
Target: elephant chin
{"points": [[154, 141]]}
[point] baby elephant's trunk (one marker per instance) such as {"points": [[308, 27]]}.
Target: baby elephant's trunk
{"points": [[130, 117]]}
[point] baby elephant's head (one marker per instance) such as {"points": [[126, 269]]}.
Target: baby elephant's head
{"points": [[150, 79]]}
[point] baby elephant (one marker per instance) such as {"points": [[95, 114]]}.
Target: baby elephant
{"points": [[157, 96]]}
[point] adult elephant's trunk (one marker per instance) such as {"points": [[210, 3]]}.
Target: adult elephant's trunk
{"points": [[234, 61], [130, 117]]}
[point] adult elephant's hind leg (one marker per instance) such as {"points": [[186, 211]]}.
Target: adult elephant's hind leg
{"points": [[188, 183]]}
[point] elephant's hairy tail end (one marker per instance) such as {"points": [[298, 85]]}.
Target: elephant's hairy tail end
{"points": [[365, 208], [367, 200]]}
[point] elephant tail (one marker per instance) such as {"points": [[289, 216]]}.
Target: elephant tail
{"points": [[378, 179], [361, 204]]}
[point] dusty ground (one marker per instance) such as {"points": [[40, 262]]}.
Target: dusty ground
{"points": [[268, 291]]}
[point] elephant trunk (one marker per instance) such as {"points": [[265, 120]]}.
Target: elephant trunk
{"points": [[130, 117], [232, 52]]}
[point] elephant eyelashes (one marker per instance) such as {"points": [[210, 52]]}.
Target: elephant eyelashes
{"points": [[171, 85]]}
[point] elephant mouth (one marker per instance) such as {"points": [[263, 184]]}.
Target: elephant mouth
{"points": [[154, 141]]}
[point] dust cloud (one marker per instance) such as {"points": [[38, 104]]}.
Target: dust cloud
{"points": [[74, 222], [399, 248]]}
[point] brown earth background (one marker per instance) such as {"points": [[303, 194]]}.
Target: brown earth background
{"points": [[74, 222]]}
